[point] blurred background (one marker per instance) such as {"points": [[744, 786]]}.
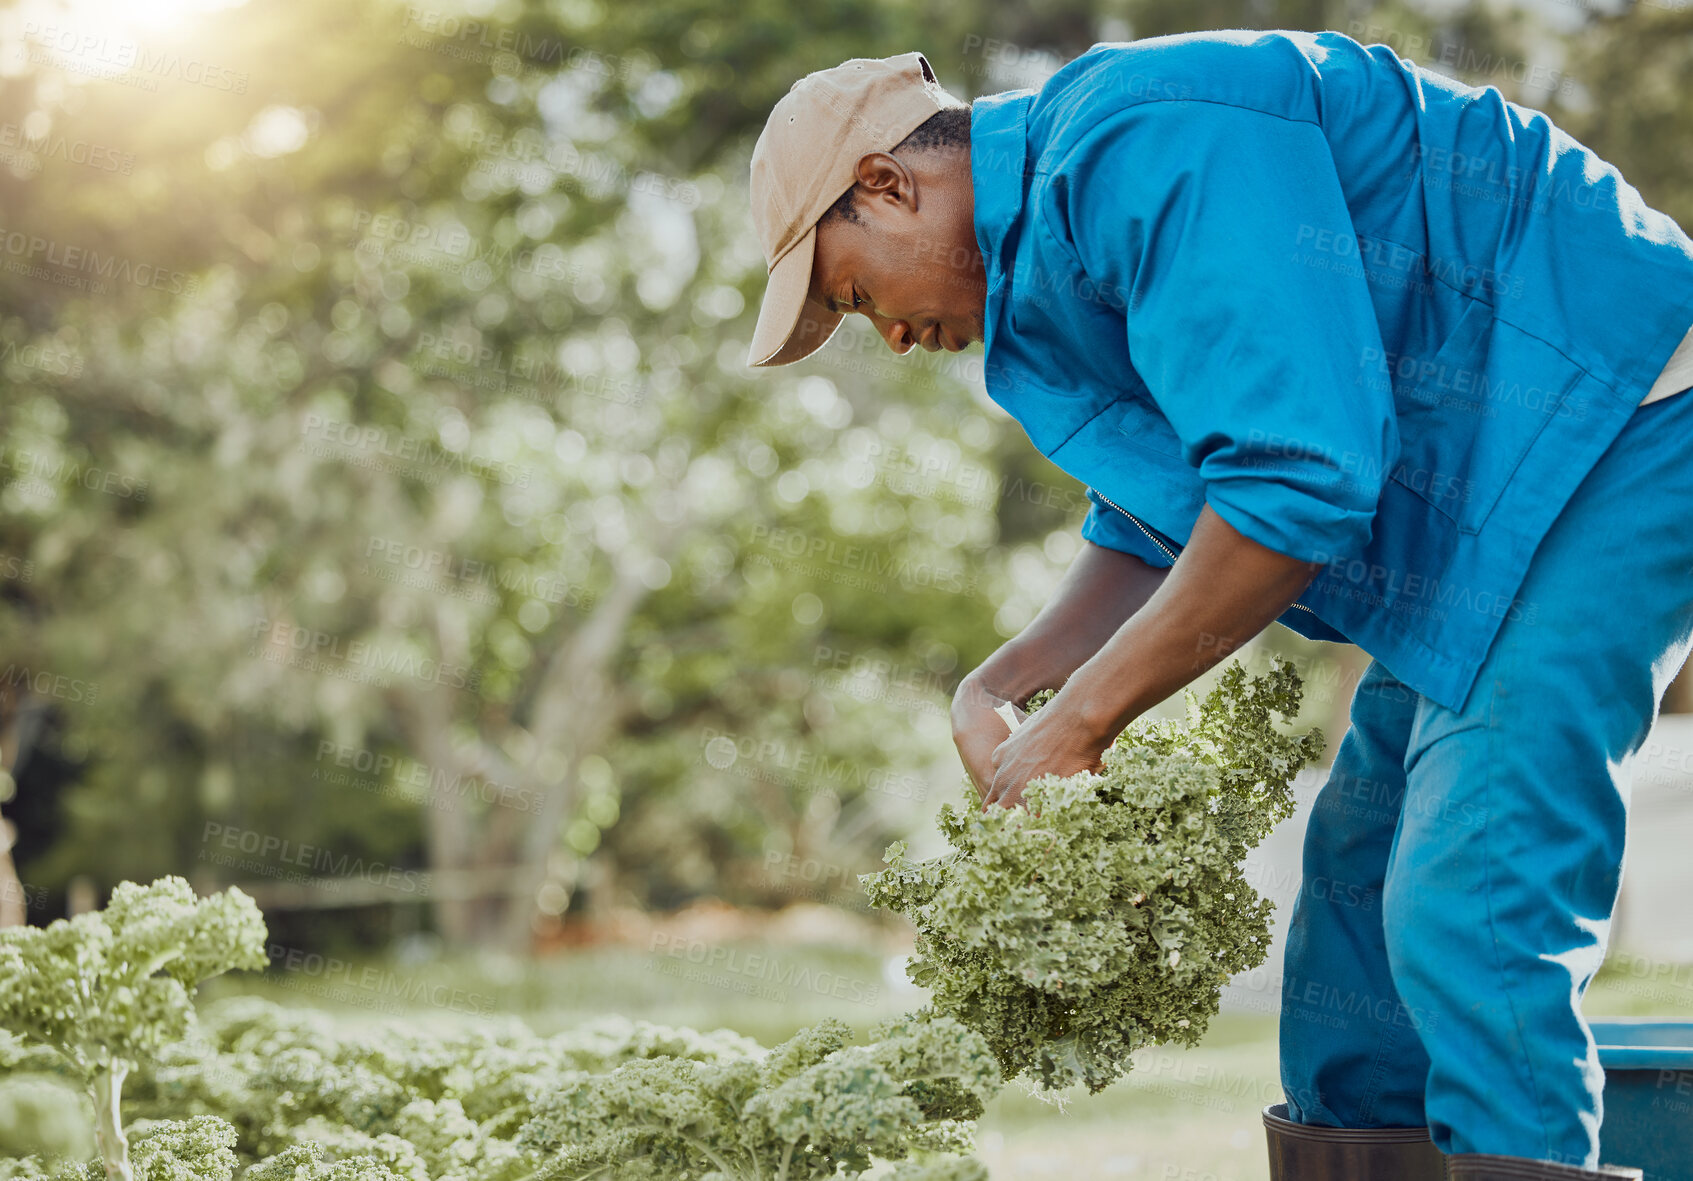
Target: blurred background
{"points": [[390, 526]]}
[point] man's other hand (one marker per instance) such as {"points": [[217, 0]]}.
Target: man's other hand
{"points": [[1050, 742], [978, 729]]}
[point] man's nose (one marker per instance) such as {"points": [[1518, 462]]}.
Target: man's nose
{"points": [[897, 333]]}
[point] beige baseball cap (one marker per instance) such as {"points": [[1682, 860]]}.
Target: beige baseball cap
{"points": [[806, 157]]}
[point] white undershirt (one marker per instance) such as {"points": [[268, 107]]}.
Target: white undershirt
{"points": [[1677, 375]]}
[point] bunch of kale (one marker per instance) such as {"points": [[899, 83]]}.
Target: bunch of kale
{"points": [[1107, 914]]}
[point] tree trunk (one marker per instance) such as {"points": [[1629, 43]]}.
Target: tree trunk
{"points": [[18, 721], [14, 911], [575, 713]]}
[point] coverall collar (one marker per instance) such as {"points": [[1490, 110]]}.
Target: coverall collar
{"points": [[998, 166]]}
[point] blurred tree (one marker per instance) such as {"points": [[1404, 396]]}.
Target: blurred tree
{"points": [[380, 474], [435, 478]]}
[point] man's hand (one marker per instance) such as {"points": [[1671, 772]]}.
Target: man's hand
{"points": [[1050, 742], [1102, 588], [978, 728], [1224, 589]]}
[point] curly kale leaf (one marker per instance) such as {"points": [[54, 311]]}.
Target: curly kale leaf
{"points": [[116, 983], [811, 1108], [112, 988], [1108, 913]]}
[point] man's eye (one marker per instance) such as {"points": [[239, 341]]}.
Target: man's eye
{"points": [[856, 301]]}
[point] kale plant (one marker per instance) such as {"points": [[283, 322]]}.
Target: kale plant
{"points": [[814, 1107], [112, 988], [312, 1099], [1107, 913]]}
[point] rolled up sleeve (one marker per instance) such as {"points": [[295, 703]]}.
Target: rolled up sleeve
{"points": [[1105, 526], [1203, 223]]}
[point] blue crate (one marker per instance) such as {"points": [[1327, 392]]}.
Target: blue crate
{"points": [[1648, 1120]]}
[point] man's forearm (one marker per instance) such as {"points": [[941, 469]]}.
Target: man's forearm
{"points": [[1225, 589], [1101, 589]]}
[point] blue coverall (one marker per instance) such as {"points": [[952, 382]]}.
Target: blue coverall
{"points": [[1399, 326]]}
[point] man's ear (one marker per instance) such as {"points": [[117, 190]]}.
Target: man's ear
{"points": [[884, 177]]}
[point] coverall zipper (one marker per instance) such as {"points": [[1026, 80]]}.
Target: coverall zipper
{"points": [[1155, 541]]}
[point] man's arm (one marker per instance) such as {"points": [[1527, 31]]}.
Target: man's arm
{"points": [[1223, 590], [1102, 588], [1203, 218]]}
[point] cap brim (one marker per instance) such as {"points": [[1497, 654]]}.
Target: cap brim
{"points": [[791, 325]]}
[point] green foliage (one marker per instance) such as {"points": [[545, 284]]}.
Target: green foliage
{"points": [[304, 1162], [285, 1095], [810, 1109], [111, 989], [544, 399], [198, 1149], [40, 1114], [296, 1097], [116, 984], [1108, 913]]}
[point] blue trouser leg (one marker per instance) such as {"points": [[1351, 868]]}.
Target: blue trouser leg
{"points": [[1350, 1056], [1502, 867]]}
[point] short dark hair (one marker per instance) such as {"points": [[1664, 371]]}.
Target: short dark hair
{"points": [[945, 130]]}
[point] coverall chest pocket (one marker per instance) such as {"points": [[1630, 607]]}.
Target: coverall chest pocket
{"points": [[1468, 413]]}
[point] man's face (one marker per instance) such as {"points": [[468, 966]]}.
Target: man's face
{"points": [[911, 262]]}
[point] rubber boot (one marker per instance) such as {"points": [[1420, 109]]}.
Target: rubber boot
{"points": [[1307, 1152], [1477, 1166]]}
